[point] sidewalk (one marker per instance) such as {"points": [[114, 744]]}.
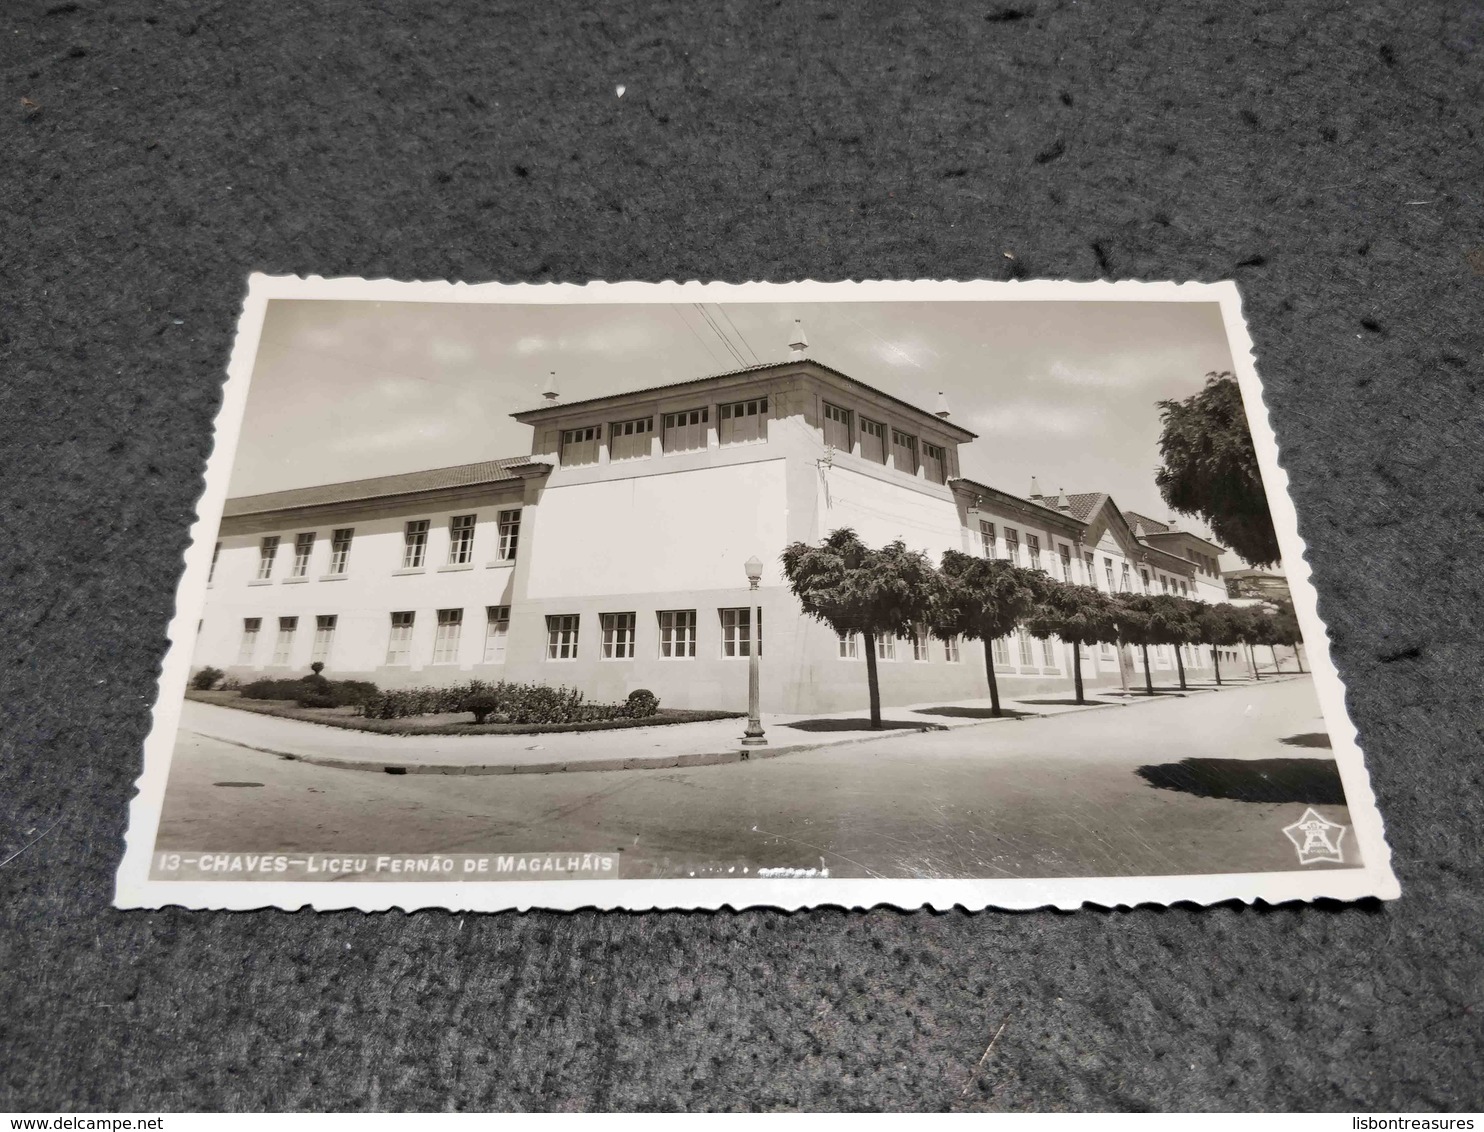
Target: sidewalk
{"points": [[637, 748]]}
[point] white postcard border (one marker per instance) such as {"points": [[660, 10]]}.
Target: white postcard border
{"points": [[135, 889]]}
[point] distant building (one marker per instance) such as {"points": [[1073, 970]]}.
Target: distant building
{"points": [[611, 556], [1261, 585]]}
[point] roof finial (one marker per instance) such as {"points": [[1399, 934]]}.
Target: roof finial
{"points": [[799, 344], [942, 409], [1173, 524], [550, 392], [1035, 489], [1062, 502]]}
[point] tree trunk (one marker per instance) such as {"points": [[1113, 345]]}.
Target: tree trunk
{"points": [[1297, 659], [1274, 650], [1180, 664], [872, 682], [1216, 660], [994, 688], [1077, 670], [1148, 676], [1252, 660]]}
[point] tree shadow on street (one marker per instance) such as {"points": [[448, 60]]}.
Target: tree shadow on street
{"points": [[1308, 739], [859, 725], [1066, 701], [951, 712], [1311, 781]]}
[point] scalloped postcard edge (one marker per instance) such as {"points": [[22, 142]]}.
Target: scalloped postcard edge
{"points": [[135, 889]]}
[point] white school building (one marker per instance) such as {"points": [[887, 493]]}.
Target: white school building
{"points": [[611, 556]]}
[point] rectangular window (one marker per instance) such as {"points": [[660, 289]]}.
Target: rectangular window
{"points": [[1183, 591], [886, 646], [461, 540], [283, 647], [1092, 575], [561, 636], [849, 645], [1012, 545], [685, 432], [1127, 585], [736, 632], [509, 534], [1164, 580], [303, 548], [1025, 648], [267, 552], [250, 628], [618, 636], [1048, 653], [838, 432], [921, 644], [986, 536], [904, 451], [215, 554], [873, 441], [399, 646], [951, 650], [1033, 548], [932, 462], [630, 440], [580, 445], [496, 630], [1001, 652], [1144, 577], [414, 544], [743, 422], [677, 633], [1066, 563], [1108, 571], [446, 638], [340, 549], [324, 637]]}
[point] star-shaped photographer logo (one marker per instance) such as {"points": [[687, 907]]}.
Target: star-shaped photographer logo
{"points": [[1317, 839]]}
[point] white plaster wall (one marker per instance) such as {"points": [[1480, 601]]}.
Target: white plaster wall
{"points": [[658, 533], [880, 511]]}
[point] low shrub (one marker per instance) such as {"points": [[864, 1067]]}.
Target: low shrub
{"points": [[503, 702], [323, 692], [206, 679], [642, 702]]}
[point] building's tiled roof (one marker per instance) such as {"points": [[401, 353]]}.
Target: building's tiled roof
{"points": [[1151, 526], [1034, 502], [378, 487], [524, 414], [1085, 504]]}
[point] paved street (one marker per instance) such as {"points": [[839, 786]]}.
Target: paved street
{"points": [[1058, 796]]}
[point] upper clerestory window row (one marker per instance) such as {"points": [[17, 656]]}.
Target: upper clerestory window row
{"points": [[872, 440], [737, 422]]}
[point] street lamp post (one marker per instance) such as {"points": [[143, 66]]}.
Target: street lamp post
{"points": [[753, 736]]}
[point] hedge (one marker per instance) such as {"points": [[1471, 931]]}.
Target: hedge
{"points": [[505, 702]]}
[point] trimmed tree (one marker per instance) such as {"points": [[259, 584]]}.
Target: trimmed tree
{"points": [[1286, 631], [984, 599], [1172, 622], [1214, 627], [1246, 625], [1210, 469], [1079, 615], [1135, 619], [856, 589]]}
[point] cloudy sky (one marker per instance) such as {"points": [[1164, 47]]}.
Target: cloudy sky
{"points": [[1061, 390]]}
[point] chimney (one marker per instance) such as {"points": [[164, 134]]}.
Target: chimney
{"points": [[942, 409], [550, 392], [1035, 489], [799, 343], [1173, 524]]}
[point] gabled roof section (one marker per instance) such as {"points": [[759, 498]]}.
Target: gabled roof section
{"points": [[1154, 529], [1085, 505], [805, 365], [1030, 506], [1151, 526], [383, 487]]}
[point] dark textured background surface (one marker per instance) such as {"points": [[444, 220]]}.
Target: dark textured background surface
{"points": [[1325, 155]]}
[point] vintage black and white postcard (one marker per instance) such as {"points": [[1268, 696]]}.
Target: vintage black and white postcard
{"points": [[706, 595]]}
